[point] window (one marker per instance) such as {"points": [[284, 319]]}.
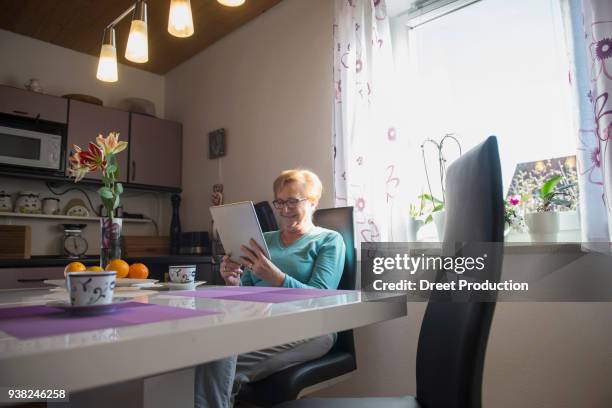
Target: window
{"points": [[494, 67]]}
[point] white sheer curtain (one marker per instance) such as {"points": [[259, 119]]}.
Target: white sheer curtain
{"points": [[370, 149], [589, 28]]}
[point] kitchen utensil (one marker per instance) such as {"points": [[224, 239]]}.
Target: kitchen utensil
{"points": [[91, 288], [50, 205], [6, 205], [28, 202]]}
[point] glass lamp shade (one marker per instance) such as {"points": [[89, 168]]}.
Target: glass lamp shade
{"points": [[137, 49], [231, 3], [180, 20], [107, 64]]}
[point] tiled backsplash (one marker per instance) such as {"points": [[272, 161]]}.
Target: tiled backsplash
{"points": [[47, 233]]}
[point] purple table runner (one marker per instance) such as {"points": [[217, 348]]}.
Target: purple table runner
{"points": [[39, 321], [261, 293]]}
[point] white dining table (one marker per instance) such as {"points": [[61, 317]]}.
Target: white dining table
{"points": [[159, 357]]}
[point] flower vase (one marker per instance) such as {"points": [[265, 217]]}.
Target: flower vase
{"points": [[439, 219], [412, 228], [110, 240]]}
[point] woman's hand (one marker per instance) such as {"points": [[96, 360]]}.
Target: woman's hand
{"points": [[230, 272], [255, 259]]}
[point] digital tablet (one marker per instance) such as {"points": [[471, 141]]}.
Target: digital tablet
{"points": [[237, 223]]}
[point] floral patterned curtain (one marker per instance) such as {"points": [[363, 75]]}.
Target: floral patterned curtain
{"points": [[590, 25], [370, 151]]}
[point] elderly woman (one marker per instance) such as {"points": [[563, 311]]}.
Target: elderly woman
{"points": [[302, 256]]}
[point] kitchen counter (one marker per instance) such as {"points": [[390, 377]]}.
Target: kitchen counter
{"points": [[59, 260], [31, 273]]}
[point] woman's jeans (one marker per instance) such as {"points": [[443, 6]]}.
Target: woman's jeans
{"points": [[218, 382]]}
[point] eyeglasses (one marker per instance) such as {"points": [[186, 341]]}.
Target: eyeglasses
{"points": [[290, 203]]}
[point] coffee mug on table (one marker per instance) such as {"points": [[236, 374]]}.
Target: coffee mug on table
{"points": [[182, 273], [91, 288]]}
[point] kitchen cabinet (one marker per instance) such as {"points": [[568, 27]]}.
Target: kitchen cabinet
{"points": [[156, 149], [28, 104], [86, 121], [21, 278]]}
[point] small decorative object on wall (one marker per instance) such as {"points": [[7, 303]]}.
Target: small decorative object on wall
{"points": [[216, 144]]}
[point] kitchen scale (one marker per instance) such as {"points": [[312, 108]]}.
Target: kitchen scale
{"points": [[74, 245]]}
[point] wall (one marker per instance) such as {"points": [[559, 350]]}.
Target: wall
{"points": [[269, 85], [63, 71]]}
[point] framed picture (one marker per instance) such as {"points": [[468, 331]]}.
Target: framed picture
{"points": [[216, 144]]}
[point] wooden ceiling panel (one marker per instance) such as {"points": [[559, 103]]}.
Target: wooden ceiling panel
{"points": [[79, 25]]}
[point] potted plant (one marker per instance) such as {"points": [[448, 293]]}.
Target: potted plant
{"points": [[543, 224], [435, 213], [102, 156], [512, 214]]}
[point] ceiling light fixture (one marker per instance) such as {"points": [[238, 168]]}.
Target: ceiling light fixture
{"points": [[180, 24], [137, 49], [231, 3], [107, 64], [180, 20]]}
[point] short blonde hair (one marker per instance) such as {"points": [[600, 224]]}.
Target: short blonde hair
{"points": [[310, 182]]}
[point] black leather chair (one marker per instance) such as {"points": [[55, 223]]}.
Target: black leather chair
{"points": [[287, 384], [265, 215], [453, 337]]}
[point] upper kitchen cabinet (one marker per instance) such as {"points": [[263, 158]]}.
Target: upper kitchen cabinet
{"points": [[156, 150], [87, 120], [20, 102]]}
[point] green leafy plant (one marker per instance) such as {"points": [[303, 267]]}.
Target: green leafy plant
{"points": [[435, 206], [552, 193], [416, 210]]}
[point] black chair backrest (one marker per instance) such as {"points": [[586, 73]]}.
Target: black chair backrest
{"points": [[340, 219], [265, 215], [453, 337]]}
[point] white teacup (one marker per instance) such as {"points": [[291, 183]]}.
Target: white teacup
{"points": [[91, 288], [182, 273]]}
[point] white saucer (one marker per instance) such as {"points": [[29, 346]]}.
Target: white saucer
{"points": [[181, 286], [122, 282], [87, 309]]}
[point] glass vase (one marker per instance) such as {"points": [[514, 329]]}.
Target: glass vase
{"points": [[110, 240]]}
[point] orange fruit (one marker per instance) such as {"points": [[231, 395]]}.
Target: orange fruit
{"points": [[74, 267], [95, 268], [138, 271], [120, 266]]}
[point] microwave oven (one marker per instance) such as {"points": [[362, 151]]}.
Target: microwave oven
{"points": [[32, 145]]}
